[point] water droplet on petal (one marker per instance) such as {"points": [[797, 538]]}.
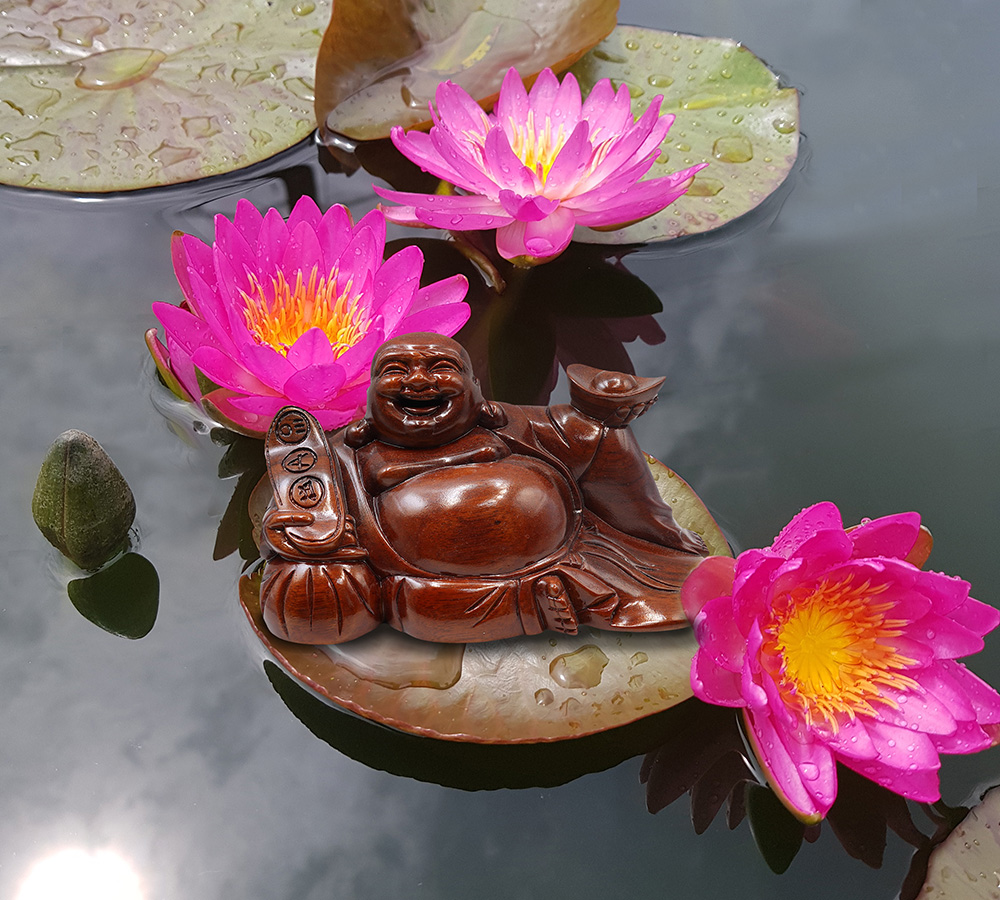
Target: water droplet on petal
{"points": [[456, 220], [809, 771]]}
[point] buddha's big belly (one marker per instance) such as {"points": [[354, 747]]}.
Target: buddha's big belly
{"points": [[479, 519]]}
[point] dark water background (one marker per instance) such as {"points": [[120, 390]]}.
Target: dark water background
{"points": [[846, 347]]}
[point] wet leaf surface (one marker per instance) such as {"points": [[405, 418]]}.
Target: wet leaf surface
{"points": [[382, 60], [544, 688], [732, 113], [101, 96]]}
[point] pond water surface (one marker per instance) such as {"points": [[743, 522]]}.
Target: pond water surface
{"points": [[842, 345]]}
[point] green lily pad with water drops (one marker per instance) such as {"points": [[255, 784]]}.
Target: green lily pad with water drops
{"points": [[548, 687], [731, 112], [100, 95]]}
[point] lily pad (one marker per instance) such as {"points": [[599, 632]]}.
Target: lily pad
{"points": [[524, 690], [104, 96], [965, 865], [382, 60], [732, 112]]}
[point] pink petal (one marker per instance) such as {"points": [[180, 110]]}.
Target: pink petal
{"points": [[333, 232], [186, 329], [505, 167], [985, 701], [566, 105], [266, 363], [947, 593], [440, 319], [626, 146], [852, 740], [921, 785], [916, 710], [271, 242], [250, 420], [968, 738], [180, 364], [188, 252], [948, 639], [460, 212], [889, 536], [976, 616], [358, 258], [396, 284], [527, 209], [607, 112], [355, 360], [809, 522], [457, 108], [418, 147], [314, 385], [512, 104], [718, 635], [543, 94], [755, 695], [374, 221], [714, 685], [549, 237], [348, 401], [461, 157], [226, 373], [902, 748], [231, 247], [570, 163], [247, 221], [711, 578], [260, 408], [302, 253], [305, 210], [644, 199], [311, 349], [441, 293], [782, 771]]}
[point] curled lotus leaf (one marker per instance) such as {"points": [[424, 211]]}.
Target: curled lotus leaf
{"points": [[382, 60], [548, 687], [731, 112], [100, 96]]}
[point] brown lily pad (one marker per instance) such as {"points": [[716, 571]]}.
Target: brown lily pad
{"points": [[524, 690], [382, 60], [104, 96], [731, 112]]}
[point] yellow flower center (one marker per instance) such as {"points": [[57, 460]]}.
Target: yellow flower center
{"points": [[832, 643], [537, 149], [281, 313]]}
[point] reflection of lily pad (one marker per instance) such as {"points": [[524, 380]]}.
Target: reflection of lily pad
{"points": [[731, 111], [544, 688], [101, 96], [382, 60]]}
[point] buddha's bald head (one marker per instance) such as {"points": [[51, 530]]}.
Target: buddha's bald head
{"points": [[423, 393]]}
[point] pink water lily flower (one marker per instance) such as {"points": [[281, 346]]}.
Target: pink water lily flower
{"points": [[541, 164], [839, 650], [280, 312]]}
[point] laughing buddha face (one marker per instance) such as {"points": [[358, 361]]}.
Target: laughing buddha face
{"points": [[422, 391]]}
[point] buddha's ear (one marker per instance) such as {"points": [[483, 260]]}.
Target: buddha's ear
{"points": [[492, 415], [359, 433]]}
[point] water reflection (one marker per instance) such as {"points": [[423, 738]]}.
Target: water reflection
{"points": [[82, 875]]}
